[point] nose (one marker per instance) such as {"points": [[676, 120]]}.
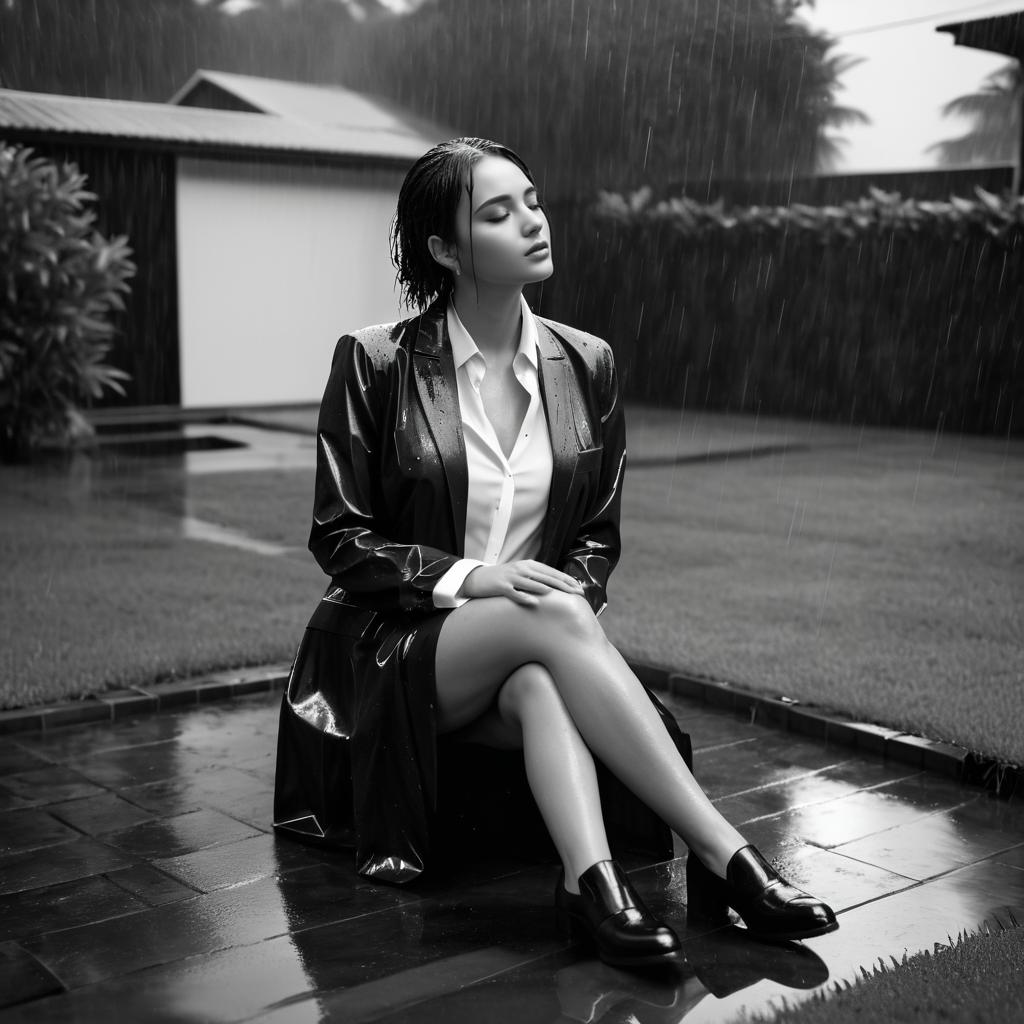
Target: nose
{"points": [[534, 221]]}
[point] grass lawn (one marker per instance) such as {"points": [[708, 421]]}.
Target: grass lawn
{"points": [[977, 978], [880, 574], [98, 594], [882, 577]]}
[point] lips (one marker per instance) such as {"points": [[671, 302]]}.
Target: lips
{"points": [[538, 247]]}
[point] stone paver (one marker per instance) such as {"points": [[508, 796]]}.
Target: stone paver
{"points": [[140, 878]]}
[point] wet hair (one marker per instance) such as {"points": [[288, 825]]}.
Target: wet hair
{"points": [[427, 202]]}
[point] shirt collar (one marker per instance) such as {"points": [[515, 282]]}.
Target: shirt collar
{"points": [[464, 347]]}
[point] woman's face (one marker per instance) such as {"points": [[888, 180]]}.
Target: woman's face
{"points": [[511, 241]]}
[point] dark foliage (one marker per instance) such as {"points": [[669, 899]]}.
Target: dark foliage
{"points": [[62, 283], [880, 312], [597, 93], [601, 94]]}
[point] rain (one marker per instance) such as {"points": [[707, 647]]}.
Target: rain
{"points": [[822, 571]]}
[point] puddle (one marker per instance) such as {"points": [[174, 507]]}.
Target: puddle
{"points": [[146, 470], [199, 529], [155, 445]]}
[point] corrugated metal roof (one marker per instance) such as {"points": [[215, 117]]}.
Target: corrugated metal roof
{"points": [[193, 128], [317, 104]]}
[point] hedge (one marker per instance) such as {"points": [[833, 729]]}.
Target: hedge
{"points": [[884, 310]]}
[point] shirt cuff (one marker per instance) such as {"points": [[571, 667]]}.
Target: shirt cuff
{"points": [[448, 585]]}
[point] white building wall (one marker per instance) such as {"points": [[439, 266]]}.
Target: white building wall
{"points": [[274, 263]]}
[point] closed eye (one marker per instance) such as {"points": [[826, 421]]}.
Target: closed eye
{"points": [[497, 214]]}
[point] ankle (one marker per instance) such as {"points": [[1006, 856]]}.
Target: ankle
{"points": [[573, 871], [715, 856]]}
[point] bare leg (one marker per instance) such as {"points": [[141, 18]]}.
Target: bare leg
{"points": [[604, 698], [529, 713]]}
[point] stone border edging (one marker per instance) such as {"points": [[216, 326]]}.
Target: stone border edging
{"points": [[1000, 778], [1004, 780], [118, 705]]}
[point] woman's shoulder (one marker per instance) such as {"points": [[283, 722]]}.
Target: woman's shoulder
{"points": [[378, 342], [579, 340], [594, 353]]}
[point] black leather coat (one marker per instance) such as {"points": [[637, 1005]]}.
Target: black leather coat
{"points": [[358, 752]]}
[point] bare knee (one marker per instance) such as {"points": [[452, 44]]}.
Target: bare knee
{"points": [[570, 615], [530, 686]]}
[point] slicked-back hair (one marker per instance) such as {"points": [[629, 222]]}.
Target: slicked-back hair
{"points": [[427, 202]]}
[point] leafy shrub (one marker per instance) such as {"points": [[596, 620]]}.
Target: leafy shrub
{"points": [[988, 216], [883, 311], [60, 281]]}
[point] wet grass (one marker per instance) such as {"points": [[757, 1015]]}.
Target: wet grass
{"points": [[881, 576], [975, 978], [874, 573], [99, 594]]}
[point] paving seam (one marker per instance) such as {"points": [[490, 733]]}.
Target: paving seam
{"points": [[819, 803]]}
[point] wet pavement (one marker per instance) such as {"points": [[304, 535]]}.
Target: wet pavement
{"points": [[140, 879]]}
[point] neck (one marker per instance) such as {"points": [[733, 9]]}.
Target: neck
{"points": [[493, 322]]}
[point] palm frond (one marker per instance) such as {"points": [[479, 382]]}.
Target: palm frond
{"points": [[843, 117]]}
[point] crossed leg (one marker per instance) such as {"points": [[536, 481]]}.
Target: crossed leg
{"points": [[529, 713], [547, 673]]}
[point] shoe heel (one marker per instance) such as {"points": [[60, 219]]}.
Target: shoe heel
{"points": [[565, 925], [707, 895]]}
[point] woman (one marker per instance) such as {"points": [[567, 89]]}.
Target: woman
{"points": [[469, 473]]}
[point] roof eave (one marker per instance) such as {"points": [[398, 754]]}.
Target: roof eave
{"points": [[178, 147], [1000, 33]]}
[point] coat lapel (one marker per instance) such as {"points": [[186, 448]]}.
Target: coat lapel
{"points": [[434, 370], [557, 390]]}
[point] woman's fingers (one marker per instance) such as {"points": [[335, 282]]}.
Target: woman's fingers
{"points": [[520, 596], [524, 582], [554, 578], [570, 586], [540, 585]]}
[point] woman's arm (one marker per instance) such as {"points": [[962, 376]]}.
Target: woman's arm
{"points": [[373, 571], [595, 549]]}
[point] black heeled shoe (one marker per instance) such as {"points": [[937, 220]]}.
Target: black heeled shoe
{"points": [[609, 913], [771, 908]]}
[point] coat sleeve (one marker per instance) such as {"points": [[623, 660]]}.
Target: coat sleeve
{"points": [[595, 550], [366, 568]]}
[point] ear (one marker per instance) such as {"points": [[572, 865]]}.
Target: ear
{"points": [[444, 253]]}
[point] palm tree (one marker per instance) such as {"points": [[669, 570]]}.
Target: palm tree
{"points": [[829, 146], [995, 111]]}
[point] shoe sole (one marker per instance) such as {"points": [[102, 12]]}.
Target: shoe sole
{"points": [[575, 931], [716, 916]]}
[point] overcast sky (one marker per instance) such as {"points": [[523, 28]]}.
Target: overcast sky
{"points": [[908, 73]]}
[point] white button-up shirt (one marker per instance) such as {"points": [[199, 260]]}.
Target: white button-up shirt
{"points": [[508, 497]]}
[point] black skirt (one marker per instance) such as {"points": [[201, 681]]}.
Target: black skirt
{"points": [[360, 765]]}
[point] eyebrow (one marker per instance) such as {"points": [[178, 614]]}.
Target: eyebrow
{"points": [[504, 198]]}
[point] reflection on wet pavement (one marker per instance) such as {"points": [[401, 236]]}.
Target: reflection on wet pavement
{"points": [[212, 533], [131, 481], [139, 878]]}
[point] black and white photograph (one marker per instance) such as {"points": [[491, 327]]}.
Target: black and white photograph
{"points": [[511, 511]]}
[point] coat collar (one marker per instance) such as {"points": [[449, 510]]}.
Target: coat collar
{"points": [[434, 371]]}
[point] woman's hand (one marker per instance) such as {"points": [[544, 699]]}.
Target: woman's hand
{"points": [[522, 582]]}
